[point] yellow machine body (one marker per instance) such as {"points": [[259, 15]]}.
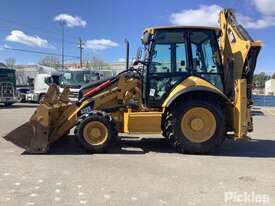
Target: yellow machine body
{"points": [[142, 122], [242, 116], [192, 83]]}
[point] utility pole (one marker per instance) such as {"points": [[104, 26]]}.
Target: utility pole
{"points": [[62, 25], [81, 47]]}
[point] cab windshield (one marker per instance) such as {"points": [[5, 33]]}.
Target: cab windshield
{"points": [[75, 78], [7, 75]]}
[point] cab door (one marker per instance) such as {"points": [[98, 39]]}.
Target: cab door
{"points": [[206, 57], [168, 66]]}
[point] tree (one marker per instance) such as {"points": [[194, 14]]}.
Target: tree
{"points": [[86, 63], [50, 61], [273, 76], [10, 62], [260, 79], [97, 64]]}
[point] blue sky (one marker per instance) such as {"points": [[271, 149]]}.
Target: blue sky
{"points": [[104, 24]]}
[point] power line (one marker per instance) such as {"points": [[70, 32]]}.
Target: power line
{"points": [[38, 52]]}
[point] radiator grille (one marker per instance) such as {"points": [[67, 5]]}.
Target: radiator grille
{"points": [[6, 89]]}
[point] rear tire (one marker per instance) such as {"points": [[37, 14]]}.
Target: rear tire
{"points": [[166, 125], [96, 132], [197, 126]]}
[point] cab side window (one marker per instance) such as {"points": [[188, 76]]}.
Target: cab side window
{"points": [[204, 52], [161, 61], [205, 57], [169, 58]]}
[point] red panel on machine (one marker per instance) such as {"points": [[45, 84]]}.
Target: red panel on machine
{"points": [[98, 88]]}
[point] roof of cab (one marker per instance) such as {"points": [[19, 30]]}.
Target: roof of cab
{"points": [[151, 29]]}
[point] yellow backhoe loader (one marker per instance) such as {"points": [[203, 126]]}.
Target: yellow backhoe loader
{"points": [[193, 86]]}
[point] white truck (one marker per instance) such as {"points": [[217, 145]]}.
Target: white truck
{"points": [[40, 87], [74, 79]]}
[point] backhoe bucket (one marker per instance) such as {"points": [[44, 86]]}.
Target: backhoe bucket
{"points": [[43, 128]]}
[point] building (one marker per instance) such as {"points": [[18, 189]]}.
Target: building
{"points": [[258, 92], [117, 67], [114, 68], [270, 87], [26, 72]]}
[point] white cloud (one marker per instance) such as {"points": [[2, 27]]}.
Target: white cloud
{"points": [[70, 21], [203, 16], [264, 22], [21, 37], [266, 7], [100, 44], [121, 60], [5, 46], [207, 15]]}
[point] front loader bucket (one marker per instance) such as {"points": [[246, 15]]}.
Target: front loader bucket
{"points": [[31, 136], [46, 124]]}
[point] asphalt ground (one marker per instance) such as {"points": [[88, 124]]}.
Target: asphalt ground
{"points": [[143, 170]]}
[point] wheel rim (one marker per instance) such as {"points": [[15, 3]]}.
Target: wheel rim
{"points": [[198, 124], [95, 133]]}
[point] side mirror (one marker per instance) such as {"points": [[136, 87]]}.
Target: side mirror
{"points": [[146, 38], [48, 80], [139, 54], [56, 79], [31, 82], [135, 63]]}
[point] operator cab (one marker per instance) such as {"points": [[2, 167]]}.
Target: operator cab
{"points": [[173, 54]]}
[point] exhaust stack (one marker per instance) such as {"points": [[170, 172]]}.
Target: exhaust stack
{"points": [[127, 53]]}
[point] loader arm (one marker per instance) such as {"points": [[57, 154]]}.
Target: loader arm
{"points": [[56, 115]]}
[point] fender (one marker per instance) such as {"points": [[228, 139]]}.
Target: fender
{"points": [[190, 85]]}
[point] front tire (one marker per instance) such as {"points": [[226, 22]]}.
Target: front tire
{"points": [[96, 132], [197, 126]]}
